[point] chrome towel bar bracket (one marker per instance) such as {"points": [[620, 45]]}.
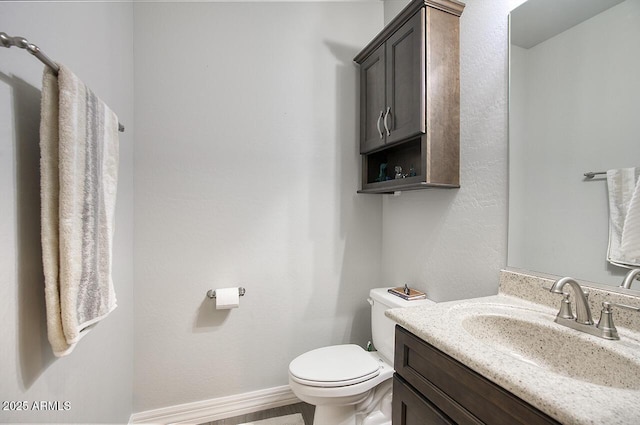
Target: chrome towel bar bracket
{"points": [[592, 174], [211, 293], [21, 42]]}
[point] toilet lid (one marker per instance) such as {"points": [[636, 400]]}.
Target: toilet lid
{"points": [[334, 366]]}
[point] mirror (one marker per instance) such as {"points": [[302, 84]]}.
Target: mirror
{"points": [[574, 107]]}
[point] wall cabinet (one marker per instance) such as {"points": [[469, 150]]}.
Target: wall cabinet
{"points": [[431, 387], [392, 83], [410, 100]]}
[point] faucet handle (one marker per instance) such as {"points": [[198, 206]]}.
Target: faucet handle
{"points": [[566, 311], [605, 324]]}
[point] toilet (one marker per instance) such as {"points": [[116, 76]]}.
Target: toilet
{"points": [[347, 384]]}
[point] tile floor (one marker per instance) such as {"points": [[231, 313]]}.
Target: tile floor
{"points": [[305, 409]]}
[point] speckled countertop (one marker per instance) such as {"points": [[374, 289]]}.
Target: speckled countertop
{"points": [[571, 376]]}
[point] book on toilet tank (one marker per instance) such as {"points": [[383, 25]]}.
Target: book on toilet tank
{"points": [[408, 293]]}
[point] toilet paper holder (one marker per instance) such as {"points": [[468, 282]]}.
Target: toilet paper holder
{"points": [[211, 293]]}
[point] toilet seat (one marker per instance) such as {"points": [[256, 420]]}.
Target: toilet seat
{"points": [[334, 366]]}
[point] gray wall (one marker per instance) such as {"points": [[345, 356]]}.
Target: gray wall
{"points": [[247, 168], [94, 40], [452, 243], [246, 172]]}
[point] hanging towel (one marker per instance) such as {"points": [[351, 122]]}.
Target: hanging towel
{"points": [[624, 217], [79, 173], [630, 241]]}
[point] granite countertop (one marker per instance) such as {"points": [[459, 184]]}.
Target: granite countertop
{"points": [[615, 399]]}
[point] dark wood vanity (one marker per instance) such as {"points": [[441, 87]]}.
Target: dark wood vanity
{"points": [[430, 387], [410, 100]]}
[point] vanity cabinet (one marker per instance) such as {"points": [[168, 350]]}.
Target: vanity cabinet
{"points": [[431, 387], [410, 100]]}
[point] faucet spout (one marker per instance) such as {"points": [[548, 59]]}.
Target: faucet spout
{"points": [[628, 279], [583, 312]]}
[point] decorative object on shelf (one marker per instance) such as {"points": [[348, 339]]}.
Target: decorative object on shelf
{"points": [[398, 170], [407, 293], [382, 175]]}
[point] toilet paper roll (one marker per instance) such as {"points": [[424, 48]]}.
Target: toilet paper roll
{"points": [[227, 298]]}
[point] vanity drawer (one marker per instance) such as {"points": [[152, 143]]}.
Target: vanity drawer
{"points": [[460, 393]]}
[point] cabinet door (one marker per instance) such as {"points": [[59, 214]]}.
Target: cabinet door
{"points": [[409, 408], [405, 85], [372, 102]]}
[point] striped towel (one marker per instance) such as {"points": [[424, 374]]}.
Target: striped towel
{"points": [[79, 173], [630, 241], [624, 217]]}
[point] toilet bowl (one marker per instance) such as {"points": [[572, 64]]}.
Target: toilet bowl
{"points": [[347, 384]]}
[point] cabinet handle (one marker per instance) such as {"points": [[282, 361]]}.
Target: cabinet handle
{"points": [[378, 125], [386, 125]]}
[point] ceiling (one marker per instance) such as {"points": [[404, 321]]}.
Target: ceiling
{"points": [[538, 20]]}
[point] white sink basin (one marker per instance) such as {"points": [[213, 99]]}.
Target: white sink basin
{"points": [[552, 347]]}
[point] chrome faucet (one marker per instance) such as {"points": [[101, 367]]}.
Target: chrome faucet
{"points": [[628, 279], [582, 321], [583, 312]]}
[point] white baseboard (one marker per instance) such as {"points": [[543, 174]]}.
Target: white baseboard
{"points": [[217, 408]]}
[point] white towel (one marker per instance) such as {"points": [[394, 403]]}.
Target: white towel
{"points": [[624, 217], [79, 172], [630, 241]]}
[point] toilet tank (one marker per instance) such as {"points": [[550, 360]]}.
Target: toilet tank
{"points": [[383, 328]]}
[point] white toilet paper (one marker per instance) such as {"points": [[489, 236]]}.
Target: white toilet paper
{"points": [[227, 298]]}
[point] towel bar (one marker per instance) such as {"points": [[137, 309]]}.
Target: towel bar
{"points": [[592, 174], [21, 42], [211, 293]]}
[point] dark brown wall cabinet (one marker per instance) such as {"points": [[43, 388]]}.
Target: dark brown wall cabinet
{"points": [[431, 387], [410, 100]]}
